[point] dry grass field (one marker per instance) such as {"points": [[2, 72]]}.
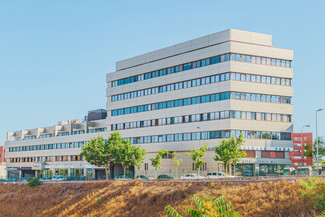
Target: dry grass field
{"points": [[149, 199]]}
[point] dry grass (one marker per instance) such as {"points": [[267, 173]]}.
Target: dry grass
{"points": [[149, 199]]}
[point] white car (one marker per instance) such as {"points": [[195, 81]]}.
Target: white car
{"points": [[58, 178], [215, 175], [191, 176]]}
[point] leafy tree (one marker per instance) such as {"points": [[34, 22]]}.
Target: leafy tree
{"points": [[128, 155], [156, 161], [177, 162], [196, 156], [229, 151], [98, 152], [312, 151], [206, 208]]}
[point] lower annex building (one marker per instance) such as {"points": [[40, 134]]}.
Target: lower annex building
{"points": [[181, 97]]}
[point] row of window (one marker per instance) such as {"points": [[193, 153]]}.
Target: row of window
{"points": [[202, 63], [46, 159], [65, 133], [203, 99], [97, 130], [203, 81], [48, 146], [45, 136], [211, 135], [203, 117]]}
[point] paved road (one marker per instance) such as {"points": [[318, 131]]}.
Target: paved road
{"points": [[205, 180]]}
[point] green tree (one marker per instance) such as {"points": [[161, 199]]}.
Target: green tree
{"points": [[229, 151], [98, 152], [156, 161], [312, 151], [196, 156], [206, 208], [128, 155], [177, 162]]}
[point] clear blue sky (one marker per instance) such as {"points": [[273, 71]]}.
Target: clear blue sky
{"points": [[54, 55]]}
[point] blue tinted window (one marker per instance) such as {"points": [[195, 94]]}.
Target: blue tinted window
{"points": [[215, 60]]}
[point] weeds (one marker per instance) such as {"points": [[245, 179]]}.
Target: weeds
{"points": [[99, 200]]}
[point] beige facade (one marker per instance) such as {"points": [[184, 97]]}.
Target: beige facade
{"points": [[53, 153], [225, 42], [198, 92]]}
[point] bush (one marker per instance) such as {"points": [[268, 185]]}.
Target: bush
{"points": [[315, 189], [33, 183], [99, 200], [206, 207]]}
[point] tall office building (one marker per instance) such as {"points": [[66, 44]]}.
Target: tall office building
{"points": [[179, 98], [201, 91]]}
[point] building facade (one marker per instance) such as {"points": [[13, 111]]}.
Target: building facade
{"points": [[297, 158], [3, 172], [54, 150], [201, 91], [180, 98]]}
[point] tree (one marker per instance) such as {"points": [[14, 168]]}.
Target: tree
{"points": [[196, 156], [128, 155], [98, 152], [156, 161], [229, 151], [312, 151], [177, 162], [207, 208]]}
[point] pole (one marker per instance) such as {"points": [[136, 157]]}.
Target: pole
{"points": [[317, 146], [317, 157], [302, 147]]}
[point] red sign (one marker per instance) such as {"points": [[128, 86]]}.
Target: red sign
{"points": [[272, 154], [291, 154]]}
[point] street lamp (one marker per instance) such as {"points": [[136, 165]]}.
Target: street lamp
{"points": [[302, 145], [317, 142]]}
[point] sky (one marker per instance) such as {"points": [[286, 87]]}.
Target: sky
{"points": [[54, 55]]}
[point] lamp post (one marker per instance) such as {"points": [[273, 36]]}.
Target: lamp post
{"points": [[317, 160], [302, 145]]}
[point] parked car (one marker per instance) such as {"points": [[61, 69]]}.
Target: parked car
{"points": [[22, 180], [104, 178], [11, 180], [215, 175], [58, 178], [165, 177], [2, 180], [71, 178], [122, 177], [87, 178], [143, 177], [45, 179], [191, 176]]}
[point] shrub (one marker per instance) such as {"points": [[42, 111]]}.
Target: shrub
{"points": [[99, 200], [206, 207], [315, 189], [33, 182]]}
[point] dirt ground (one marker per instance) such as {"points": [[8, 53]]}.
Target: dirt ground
{"points": [[138, 198]]}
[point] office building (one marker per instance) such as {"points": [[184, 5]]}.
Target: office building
{"points": [[298, 139], [179, 98], [201, 91]]}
